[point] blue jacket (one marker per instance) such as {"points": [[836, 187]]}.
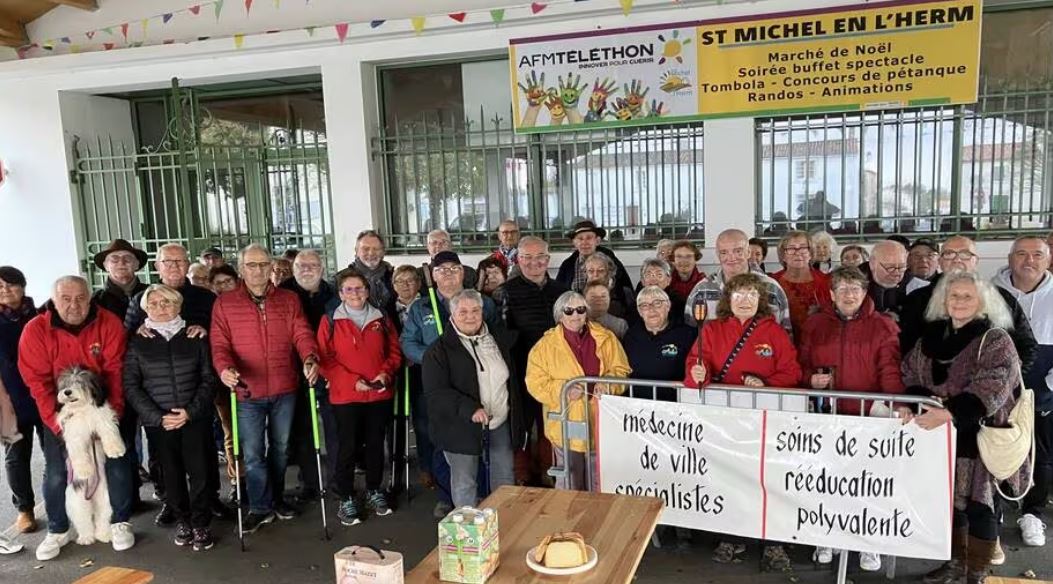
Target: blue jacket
{"points": [[420, 331]]}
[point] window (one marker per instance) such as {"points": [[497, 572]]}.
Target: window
{"points": [[978, 167], [451, 160]]}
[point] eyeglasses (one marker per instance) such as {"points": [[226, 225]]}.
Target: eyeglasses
{"points": [[893, 268], [656, 305], [654, 274], [308, 267], [572, 310], [740, 295], [794, 249], [354, 290], [449, 270], [849, 290], [951, 254], [173, 263], [159, 304], [404, 281], [223, 281], [257, 265]]}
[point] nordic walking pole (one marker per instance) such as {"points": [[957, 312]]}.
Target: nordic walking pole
{"points": [[405, 430], [318, 456], [434, 298], [237, 459]]}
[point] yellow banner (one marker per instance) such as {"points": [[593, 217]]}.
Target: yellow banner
{"points": [[888, 55]]}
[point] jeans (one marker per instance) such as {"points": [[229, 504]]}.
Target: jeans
{"points": [[358, 423], [263, 427], [464, 468], [185, 454], [118, 479], [1035, 501], [17, 459]]}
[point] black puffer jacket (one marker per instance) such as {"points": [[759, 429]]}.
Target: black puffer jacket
{"points": [[160, 375]]}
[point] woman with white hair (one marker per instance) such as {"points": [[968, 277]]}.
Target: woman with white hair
{"points": [[659, 273], [966, 358], [825, 247], [601, 268], [575, 347], [657, 345]]}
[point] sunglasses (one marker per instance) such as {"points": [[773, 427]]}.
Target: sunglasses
{"points": [[569, 311]]}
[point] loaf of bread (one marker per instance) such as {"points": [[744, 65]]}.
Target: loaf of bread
{"points": [[562, 550]]}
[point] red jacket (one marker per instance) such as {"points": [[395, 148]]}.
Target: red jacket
{"points": [[768, 353], [46, 349], [864, 352], [262, 344], [348, 354], [805, 297], [683, 288]]}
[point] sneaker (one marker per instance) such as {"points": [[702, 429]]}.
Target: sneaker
{"points": [[998, 557], [26, 522], [121, 536], [285, 511], [775, 559], [378, 503], [869, 562], [823, 555], [203, 539], [52, 544], [347, 513], [9, 546], [183, 534], [253, 521], [442, 509], [166, 517], [1032, 530], [727, 553]]}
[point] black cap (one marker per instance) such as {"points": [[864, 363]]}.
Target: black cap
{"points": [[901, 239], [926, 242], [445, 257], [12, 276], [213, 251]]}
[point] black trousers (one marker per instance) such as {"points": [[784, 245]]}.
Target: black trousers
{"points": [[357, 423], [979, 518], [17, 459], [1035, 501], [184, 455]]}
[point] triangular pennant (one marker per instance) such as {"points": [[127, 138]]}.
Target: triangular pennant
{"points": [[90, 34], [145, 23], [239, 39], [458, 16], [66, 40], [74, 49], [627, 6], [108, 30], [536, 7], [375, 23], [168, 41], [497, 15], [48, 45], [341, 31], [107, 46], [22, 52], [124, 30], [248, 6], [195, 9], [310, 31], [203, 38], [166, 17], [418, 23], [218, 7]]}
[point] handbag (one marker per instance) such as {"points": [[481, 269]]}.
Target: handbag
{"points": [[1004, 450]]}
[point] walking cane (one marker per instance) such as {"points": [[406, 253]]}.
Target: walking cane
{"points": [[486, 457], [318, 456], [237, 459]]}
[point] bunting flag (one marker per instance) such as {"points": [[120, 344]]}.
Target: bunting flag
{"points": [[418, 23], [238, 40], [375, 23], [341, 31], [248, 6], [90, 34], [497, 15], [168, 16], [168, 41], [310, 31], [124, 30], [108, 30], [536, 7], [458, 16], [218, 7], [195, 9], [145, 23], [66, 40], [48, 45], [627, 6], [107, 46]]}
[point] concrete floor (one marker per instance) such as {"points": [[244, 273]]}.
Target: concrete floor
{"points": [[295, 551]]}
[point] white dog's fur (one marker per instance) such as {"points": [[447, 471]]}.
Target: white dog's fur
{"points": [[89, 428]]}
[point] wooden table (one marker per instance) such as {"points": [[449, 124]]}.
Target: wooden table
{"points": [[112, 575], [619, 527]]}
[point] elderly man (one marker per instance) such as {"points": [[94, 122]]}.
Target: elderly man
{"points": [[587, 237], [422, 329], [439, 241], [527, 303], [1028, 280], [258, 331], [315, 293], [508, 251], [120, 261], [959, 255], [198, 275], [74, 331], [369, 261], [212, 257], [922, 261], [889, 278], [733, 252]]}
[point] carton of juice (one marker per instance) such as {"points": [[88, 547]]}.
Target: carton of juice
{"points": [[468, 545]]}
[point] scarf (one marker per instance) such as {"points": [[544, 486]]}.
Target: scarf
{"points": [[166, 329], [379, 287], [942, 343], [25, 311]]}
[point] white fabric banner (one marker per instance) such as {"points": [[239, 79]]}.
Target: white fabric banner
{"points": [[862, 484]]}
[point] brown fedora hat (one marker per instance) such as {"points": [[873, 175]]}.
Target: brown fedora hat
{"points": [[120, 245], [585, 227]]}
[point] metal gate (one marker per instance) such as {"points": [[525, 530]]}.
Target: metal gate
{"points": [[179, 190]]}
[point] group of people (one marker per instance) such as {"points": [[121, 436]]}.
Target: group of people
{"points": [[484, 355]]}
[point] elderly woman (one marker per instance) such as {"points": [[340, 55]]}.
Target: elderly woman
{"points": [[663, 250], [966, 358], [745, 346], [598, 299], [492, 273], [169, 380], [854, 256], [223, 279], [656, 272], [825, 246], [601, 268], [656, 345], [686, 274], [849, 346], [573, 348], [359, 354], [806, 287], [473, 393]]}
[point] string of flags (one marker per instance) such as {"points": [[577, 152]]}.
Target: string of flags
{"points": [[117, 35]]}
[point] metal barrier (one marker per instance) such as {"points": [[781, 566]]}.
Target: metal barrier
{"points": [[780, 397]]}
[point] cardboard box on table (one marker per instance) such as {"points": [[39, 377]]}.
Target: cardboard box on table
{"points": [[468, 545]]}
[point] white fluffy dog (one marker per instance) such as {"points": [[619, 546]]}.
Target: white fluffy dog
{"points": [[89, 427]]}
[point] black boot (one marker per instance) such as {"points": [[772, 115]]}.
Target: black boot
{"points": [[953, 570]]}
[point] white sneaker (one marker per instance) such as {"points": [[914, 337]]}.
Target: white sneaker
{"points": [[998, 557], [52, 544], [9, 546], [823, 555], [122, 536], [869, 562], [1032, 530]]}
